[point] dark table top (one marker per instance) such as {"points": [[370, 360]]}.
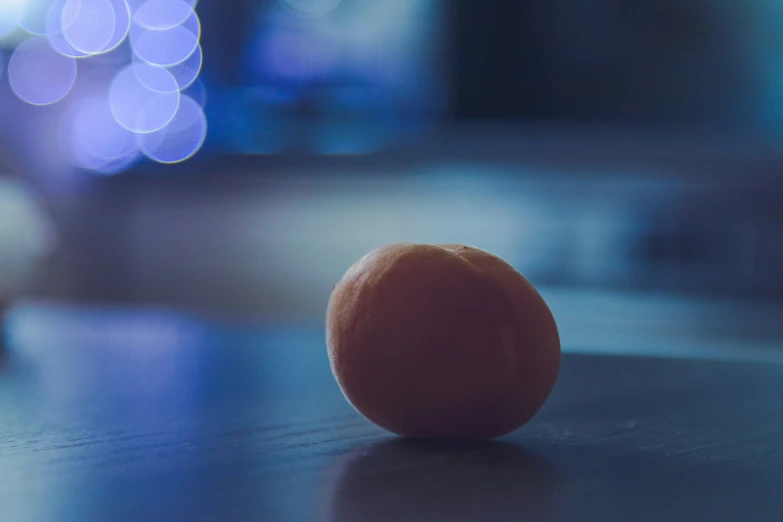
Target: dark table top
{"points": [[154, 416]]}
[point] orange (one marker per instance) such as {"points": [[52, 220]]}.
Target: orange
{"points": [[443, 342]]}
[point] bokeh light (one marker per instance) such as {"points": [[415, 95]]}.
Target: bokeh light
{"points": [[11, 12], [162, 14], [35, 15], [38, 74], [169, 46], [114, 59], [181, 138], [96, 135], [88, 25], [84, 159], [122, 21], [197, 91], [154, 78], [79, 29], [137, 107], [118, 165], [184, 73], [90, 139], [136, 5], [145, 53], [54, 31]]}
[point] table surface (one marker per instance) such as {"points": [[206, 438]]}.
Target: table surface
{"points": [[155, 416]]}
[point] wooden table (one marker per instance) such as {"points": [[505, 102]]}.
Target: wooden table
{"points": [[113, 417]]}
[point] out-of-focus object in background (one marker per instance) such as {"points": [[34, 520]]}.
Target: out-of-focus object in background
{"points": [[38, 74], [79, 56], [165, 32], [336, 77], [27, 236], [181, 138]]}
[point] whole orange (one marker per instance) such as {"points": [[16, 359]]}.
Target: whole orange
{"points": [[445, 342]]}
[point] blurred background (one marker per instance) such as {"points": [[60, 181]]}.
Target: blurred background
{"points": [[229, 160], [182, 182]]}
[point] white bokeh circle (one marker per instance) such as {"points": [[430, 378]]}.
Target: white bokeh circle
{"points": [[162, 14], [187, 72], [90, 138], [135, 5], [95, 130], [166, 47], [80, 30], [139, 108], [181, 139], [122, 21], [184, 73], [33, 19], [38, 74], [157, 79], [88, 25], [54, 31]]}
